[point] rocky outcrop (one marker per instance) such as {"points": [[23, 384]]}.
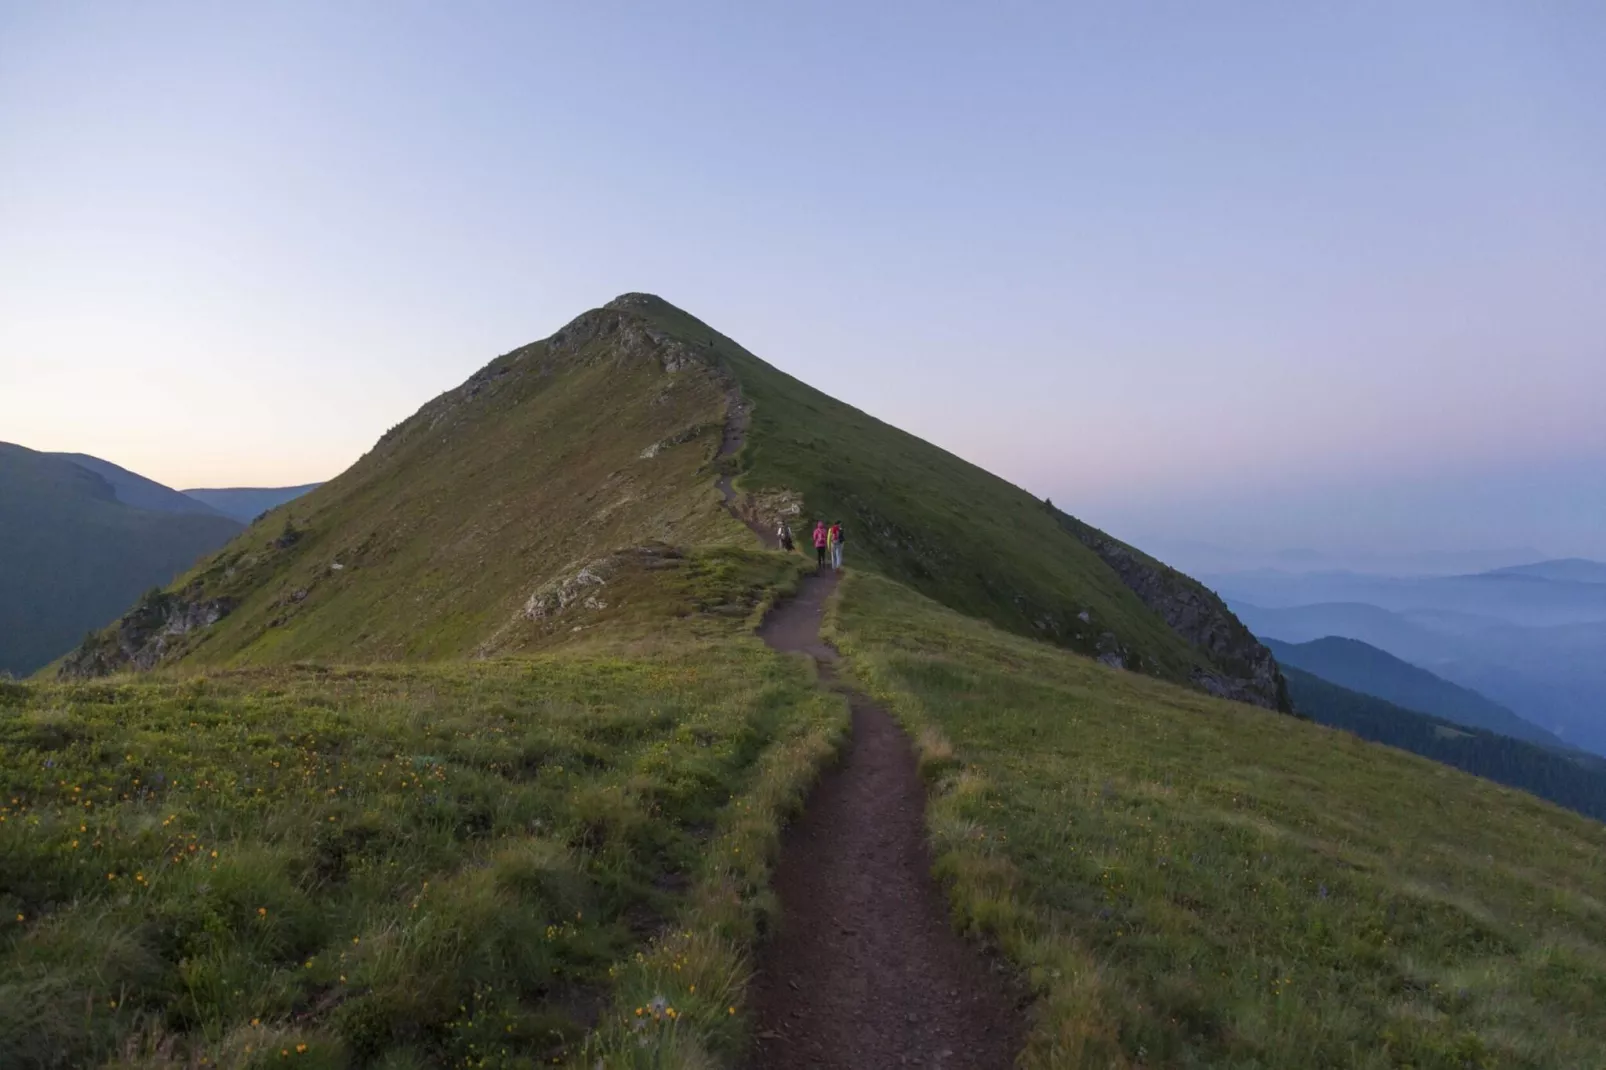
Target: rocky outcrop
{"points": [[584, 586], [1244, 670], [621, 330], [144, 634], [559, 595], [577, 589]]}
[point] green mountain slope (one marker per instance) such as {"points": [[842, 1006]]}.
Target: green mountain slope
{"points": [[1247, 670], [1196, 883], [1360, 667], [524, 504], [72, 556], [958, 533], [450, 537]]}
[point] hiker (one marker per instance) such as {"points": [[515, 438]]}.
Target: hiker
{"points": [[835, 537], [783, 537], [819, 545]]}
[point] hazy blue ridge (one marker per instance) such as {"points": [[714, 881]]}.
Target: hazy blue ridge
{"points": [[1361, 667], [245, 504]]}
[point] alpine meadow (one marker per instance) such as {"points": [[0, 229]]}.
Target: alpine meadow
{"points": [[473, 756]]}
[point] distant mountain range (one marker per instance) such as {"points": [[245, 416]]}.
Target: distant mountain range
{"points": [[1361, 667], [245, 504], [1524, 596], [1203, 558], [1571, 569], [1531, 638], [80, 539]]}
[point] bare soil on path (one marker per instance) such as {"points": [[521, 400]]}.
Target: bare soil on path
{"points": [[865, 971], [731, 441]]}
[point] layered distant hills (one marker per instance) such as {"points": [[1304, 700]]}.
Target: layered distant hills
{"points": [[1364, 668], [1567, 570], [245, 504], [1531, 638], [80, 539]]}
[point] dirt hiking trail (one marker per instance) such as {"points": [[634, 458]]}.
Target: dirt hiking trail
{"points": [[865, 971], [731, 441]]}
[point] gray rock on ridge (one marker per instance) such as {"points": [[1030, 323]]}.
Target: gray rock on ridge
{"points": [[144, 634], [629, 336]]}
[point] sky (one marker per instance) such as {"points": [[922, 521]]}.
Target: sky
{"points": [[1255, 274]]}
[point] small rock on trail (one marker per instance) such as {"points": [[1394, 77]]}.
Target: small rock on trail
{"points": [[865, 971]]}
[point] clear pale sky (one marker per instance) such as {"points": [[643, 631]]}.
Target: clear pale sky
{"points": [[1261, 273]]}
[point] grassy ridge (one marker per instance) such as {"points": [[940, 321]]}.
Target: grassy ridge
{"points": [[450, 865], [544, 462], [1193, 882]]}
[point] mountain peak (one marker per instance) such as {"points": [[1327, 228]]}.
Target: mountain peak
{"points": [[626, 428], [639, 302]]}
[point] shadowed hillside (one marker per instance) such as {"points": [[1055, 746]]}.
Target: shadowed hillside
{"points": [[73, 556], [131, 488]]}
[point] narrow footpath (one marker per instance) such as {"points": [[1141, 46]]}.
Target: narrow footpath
{"points": [[731, 441], [865, 971]]}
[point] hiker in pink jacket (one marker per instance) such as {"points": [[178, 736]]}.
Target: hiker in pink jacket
{"points": [[819, 545]]}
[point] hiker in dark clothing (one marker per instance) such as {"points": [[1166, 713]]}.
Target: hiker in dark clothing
{"points": [[783, 536]]}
